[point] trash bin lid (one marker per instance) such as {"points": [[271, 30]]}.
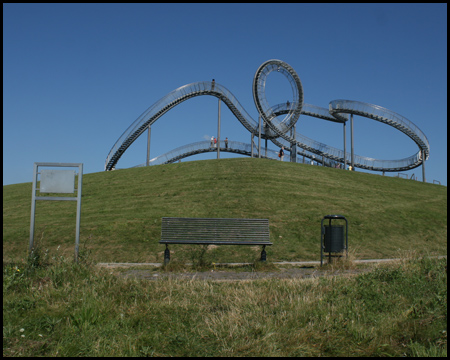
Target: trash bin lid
{"points": [[334, 217]]}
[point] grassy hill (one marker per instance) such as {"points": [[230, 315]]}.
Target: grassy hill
{"points": [[121, 211], [58, 308]]}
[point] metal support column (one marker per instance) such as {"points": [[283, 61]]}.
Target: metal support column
{"points": [[293, 145], [259, 138], [345, 147], [218, 135], [252, 143], [148, 145], [265, 153], [351, 131], [423, 166]]}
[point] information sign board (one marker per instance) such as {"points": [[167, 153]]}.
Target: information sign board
{"points": [[57, 181]]}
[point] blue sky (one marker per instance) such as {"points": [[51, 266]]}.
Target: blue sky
{"points": [[75, 76]]}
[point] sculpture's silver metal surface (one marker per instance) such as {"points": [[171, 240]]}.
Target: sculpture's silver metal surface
{"points": [[277, 129]]}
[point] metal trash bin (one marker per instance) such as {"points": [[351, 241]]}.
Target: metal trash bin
{"points": [[332, 238]]}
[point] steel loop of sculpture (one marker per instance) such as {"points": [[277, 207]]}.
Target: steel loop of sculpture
{"points": [[269, 114], [274, 129]]}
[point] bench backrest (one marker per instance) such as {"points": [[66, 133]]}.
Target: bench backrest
{"points": [[215, 231]]}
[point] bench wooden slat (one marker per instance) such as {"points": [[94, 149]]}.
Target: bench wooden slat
{"points": [[207, 242], [215, 230]]}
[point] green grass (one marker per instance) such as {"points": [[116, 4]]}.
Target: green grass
{"points": [[54, 307], [121, 211]]}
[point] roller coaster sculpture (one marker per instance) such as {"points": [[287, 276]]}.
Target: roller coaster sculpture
{"points": [[276, 128]]}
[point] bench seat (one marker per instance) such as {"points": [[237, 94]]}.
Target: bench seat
{"points": [[217, 231]]}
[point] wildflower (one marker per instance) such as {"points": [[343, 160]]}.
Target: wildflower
{"points": [[22, 330]]}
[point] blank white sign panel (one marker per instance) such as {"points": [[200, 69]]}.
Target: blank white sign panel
{"points": [[57, 181]]}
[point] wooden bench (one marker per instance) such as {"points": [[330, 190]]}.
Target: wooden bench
{"points": [[214, 231]]}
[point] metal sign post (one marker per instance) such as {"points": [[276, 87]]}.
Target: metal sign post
{"points": [[57, 182]]}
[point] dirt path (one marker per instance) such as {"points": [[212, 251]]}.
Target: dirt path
{"points": [[228, 275], [303, 270]]}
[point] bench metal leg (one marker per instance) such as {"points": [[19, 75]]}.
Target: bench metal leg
{"points": [[166, 255], [263, 253]]}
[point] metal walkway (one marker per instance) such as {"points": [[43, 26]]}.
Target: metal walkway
{"points": [[233, 147], [204, 147], [276, 129]]}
